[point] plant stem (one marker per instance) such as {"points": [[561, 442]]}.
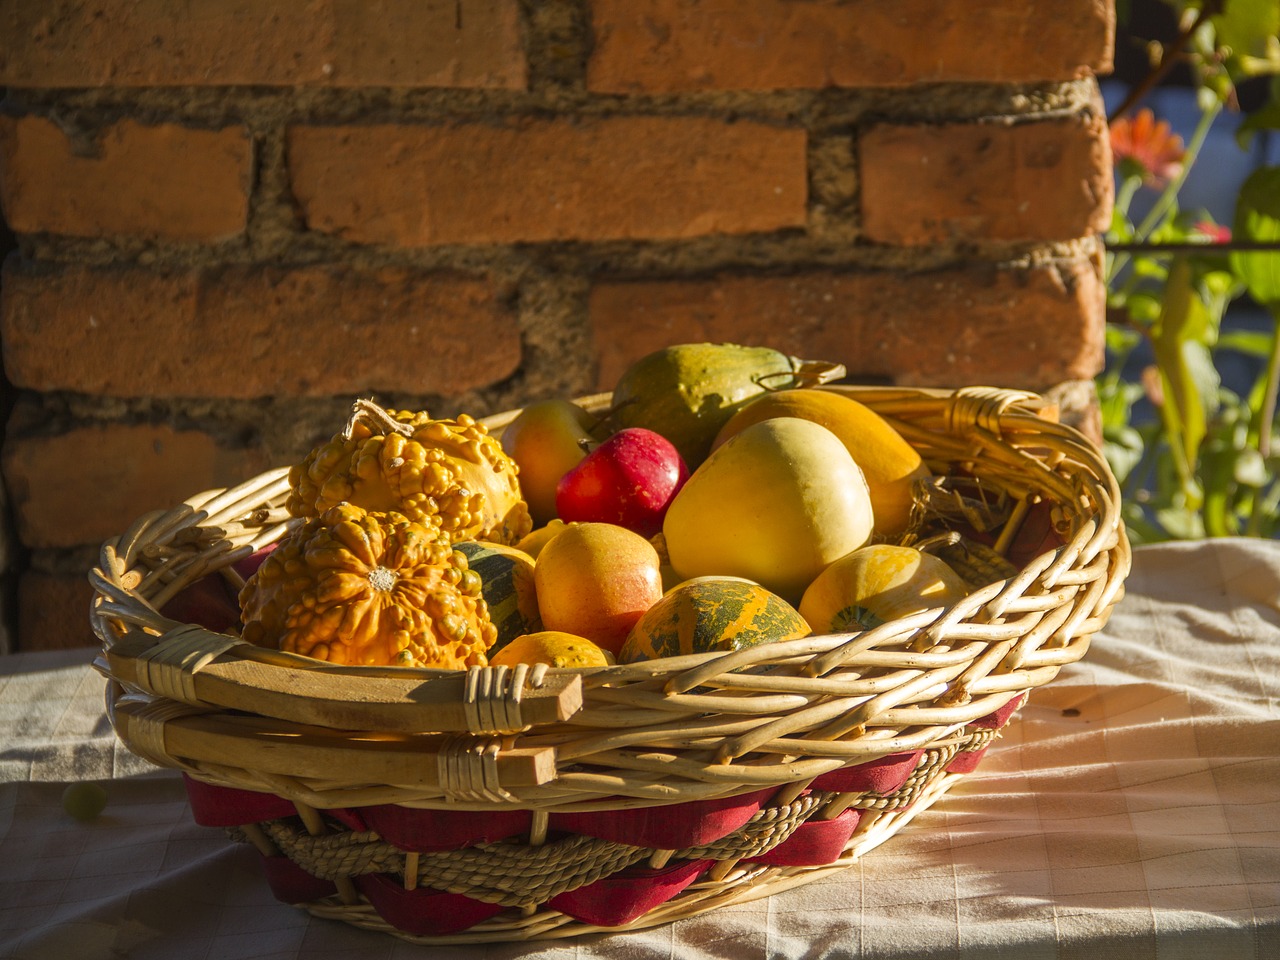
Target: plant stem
{"points": [[1168, 57], [1170, 193], [1267, 412]]}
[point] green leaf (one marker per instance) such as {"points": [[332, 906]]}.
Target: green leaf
{"points": [[1123, 447], [1249, 468], [1254, 343], [1266, 117], [1143, 307], [1121, 230], [1261, 192], [1182, 523], [1258, 220], [1245, 26], [1186, 370], [1120, 340]]}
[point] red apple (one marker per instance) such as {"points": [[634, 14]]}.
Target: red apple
{"points": [[546, 440], [248, 566], [629, 480], [208, 602]]}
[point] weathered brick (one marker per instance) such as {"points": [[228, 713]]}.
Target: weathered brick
{"points": [[164, 181], [635, 177], [345, 43], [53, 612], [1047, 180], [668, 46], [89, 483], [244, 332], [1014, 327]]}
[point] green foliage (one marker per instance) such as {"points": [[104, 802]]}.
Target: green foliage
{"points": [[1206, 465]]}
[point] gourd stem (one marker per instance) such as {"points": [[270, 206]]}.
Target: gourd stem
{"points": [[814, 373], [381, 419], [803, 373], [937, 542]]}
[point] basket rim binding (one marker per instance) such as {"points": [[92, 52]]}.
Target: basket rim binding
{"points": [[661, 732]]}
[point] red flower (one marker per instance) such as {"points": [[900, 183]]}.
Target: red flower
{"points": [[1151, 148], [1213, 232]]}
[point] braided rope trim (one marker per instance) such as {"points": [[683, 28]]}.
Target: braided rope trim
{"points": [[515, 874], [931, 766]]}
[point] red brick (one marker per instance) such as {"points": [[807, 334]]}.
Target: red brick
{"points": [[53, 612], [634, 177], [164, 181], [1018, 328], [243, 332], [90, 483], [1048, 180], [668, 46], [397, 43]]}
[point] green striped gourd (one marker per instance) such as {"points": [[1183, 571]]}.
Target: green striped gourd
{"points": [[708, 614]]}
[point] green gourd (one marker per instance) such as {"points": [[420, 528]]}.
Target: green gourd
{"points": [[688, 391]]}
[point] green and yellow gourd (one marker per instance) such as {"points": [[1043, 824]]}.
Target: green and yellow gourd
{"points": [[878, 583], [709, 614], [688, 391], [507, 585]]}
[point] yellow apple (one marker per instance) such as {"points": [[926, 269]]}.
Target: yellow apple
{"points": [[547, 439], [596, 580]]}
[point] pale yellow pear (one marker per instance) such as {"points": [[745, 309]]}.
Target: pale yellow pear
{"points": [[775, 503]]}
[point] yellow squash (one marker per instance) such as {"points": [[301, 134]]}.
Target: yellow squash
{"points": [[554, 648], [890, 464], [878, 583], [708, 614], [775, 504]]}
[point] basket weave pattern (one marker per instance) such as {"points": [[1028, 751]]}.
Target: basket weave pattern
{"points": [[783, 720]]}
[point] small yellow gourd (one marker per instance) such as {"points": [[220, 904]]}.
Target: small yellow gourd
{"points": [[450, 474], [878, 583], [356, 587], [554, 648]]}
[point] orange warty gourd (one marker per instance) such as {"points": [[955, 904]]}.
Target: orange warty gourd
{"points": [[357, 587], [450, 474]]}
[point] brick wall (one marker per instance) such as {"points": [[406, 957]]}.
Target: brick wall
{"points": [[230, 219]]}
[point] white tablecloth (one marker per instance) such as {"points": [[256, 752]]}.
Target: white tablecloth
{"points": [[1131, 811]]}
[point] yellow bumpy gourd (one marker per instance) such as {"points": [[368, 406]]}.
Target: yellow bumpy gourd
{"points": [[449, 474]]}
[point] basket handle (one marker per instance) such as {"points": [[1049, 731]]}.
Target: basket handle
{"points": [[192, 665], [980, 408], [461, 767]]}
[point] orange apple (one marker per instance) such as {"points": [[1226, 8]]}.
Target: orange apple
{"points": [[596, 580], [547, 439]]}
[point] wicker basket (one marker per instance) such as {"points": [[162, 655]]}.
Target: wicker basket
{"points": [[526, 803]]}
